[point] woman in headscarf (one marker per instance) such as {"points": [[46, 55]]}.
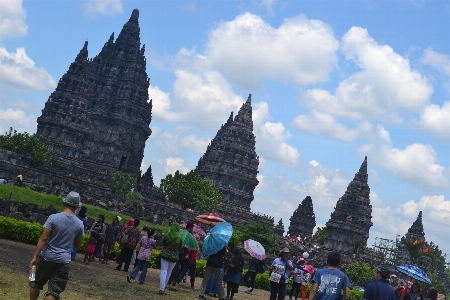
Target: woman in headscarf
{"points": [[129, 223], [172, 246]]}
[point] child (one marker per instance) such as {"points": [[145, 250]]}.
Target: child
{"points": [[144, 256], [90, 248], [298, 276]]}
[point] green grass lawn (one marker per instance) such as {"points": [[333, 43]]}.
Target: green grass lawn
{"points": [[25, 195]]}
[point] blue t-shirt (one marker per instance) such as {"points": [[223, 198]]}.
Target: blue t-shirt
{"points": [[281, 267], [330, 283], [386, 291], [64, 229]]}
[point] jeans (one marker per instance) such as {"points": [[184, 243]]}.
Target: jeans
{"points": [[277, 291], [252, 276], [191, 266], [142, 264], [219, 281], [295, 290], [166, 270]]}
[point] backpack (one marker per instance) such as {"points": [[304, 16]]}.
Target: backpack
{"points": [[260, 267]]}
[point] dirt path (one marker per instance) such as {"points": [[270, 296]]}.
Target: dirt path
{"points": [[94, 281]]}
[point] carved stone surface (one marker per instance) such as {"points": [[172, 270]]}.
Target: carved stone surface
{"points": [[279, 229], [303, 219], [348, 227], [230, 161], [97, 119], [415, 232]]}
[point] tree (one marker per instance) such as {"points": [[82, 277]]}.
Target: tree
{"points": [[27, 144], [359, 273], [260, 231], [320, 235], [414, 248], [120, 183], [134, 199], [190, 191]]}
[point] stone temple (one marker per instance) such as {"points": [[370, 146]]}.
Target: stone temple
{"points": [[348, 227], [231, 164], [303, 219], [97, 120], [415, 232]]}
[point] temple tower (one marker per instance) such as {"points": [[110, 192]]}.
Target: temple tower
{"points": [[303, 219], [98, 117], [415, 232], [348, 227], [230, 161]]}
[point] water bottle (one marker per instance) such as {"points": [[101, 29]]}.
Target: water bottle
{"points": [[32, 273]]}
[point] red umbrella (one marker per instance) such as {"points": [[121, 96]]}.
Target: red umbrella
{"points": [[210, 219], [196, 231]]}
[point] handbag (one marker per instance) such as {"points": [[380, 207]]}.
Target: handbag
{"points": [[124, 238]]}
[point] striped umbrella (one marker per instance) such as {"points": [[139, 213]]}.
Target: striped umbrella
{"points": [[210, 219]]}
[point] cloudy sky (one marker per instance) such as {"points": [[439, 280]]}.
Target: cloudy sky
{"points": [[332, 82]]}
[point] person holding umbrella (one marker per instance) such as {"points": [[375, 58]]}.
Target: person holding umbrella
{"points": [[190, 264], [252, 274], [414, 293], [172, 245], [214, 266]]}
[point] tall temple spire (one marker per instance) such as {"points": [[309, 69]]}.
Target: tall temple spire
{"points": [[230, 162], [348, 227], [303, 219], [129, 36], [415, 232]]}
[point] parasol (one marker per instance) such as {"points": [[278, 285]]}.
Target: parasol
{"points": [[414, 272], [255, 249], [197, 230], [210, 219], [217, 238], [189, 240]]}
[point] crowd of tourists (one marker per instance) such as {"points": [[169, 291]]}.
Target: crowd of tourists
{"points": [[63, 232]]}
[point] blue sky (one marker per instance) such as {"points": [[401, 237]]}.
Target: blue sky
{"points": [[332, 82]]}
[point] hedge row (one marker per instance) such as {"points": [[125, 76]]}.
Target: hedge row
{"points": [[26, 232]]}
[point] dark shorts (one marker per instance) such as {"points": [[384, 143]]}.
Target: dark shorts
{"points": [[56, 274]]}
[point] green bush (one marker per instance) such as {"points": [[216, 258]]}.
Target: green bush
{"points": [[200, 267], [20, 231], [155, 253]]}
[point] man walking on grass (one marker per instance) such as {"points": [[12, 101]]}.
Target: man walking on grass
{"points": [[62, 231]]}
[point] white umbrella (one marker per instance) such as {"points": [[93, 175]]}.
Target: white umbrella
{"points": [[255, 249]]}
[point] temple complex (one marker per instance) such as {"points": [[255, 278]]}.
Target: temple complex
{"points": [[348, 227], [303, 219], [97, 119]]}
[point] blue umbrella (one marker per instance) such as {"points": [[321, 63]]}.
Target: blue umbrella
{"points": [[414, 272], [217, 238]]}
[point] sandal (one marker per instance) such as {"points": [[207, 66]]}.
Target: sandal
{"points": [[161, 292]]}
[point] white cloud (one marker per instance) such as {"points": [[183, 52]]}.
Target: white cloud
{"points": [[175, 163], [325, 124], [19, 71], [18, 120], [385, 86], [205, 98], [103, 7], [437, 120], [314, 163], [177, 143], [271, 141], [416, 163], [162, 108], [441, 62], [12, 19], [246, 50]]}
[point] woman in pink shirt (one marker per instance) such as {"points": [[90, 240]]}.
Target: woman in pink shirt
{"points": [[144, 256]]}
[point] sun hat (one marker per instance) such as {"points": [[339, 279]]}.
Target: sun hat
{"points": [[285, 250], [72, 199], [301, 260]]}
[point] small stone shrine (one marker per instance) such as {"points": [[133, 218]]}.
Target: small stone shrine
{"points": [[303, 219], [279, 229], [348, 227]]}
